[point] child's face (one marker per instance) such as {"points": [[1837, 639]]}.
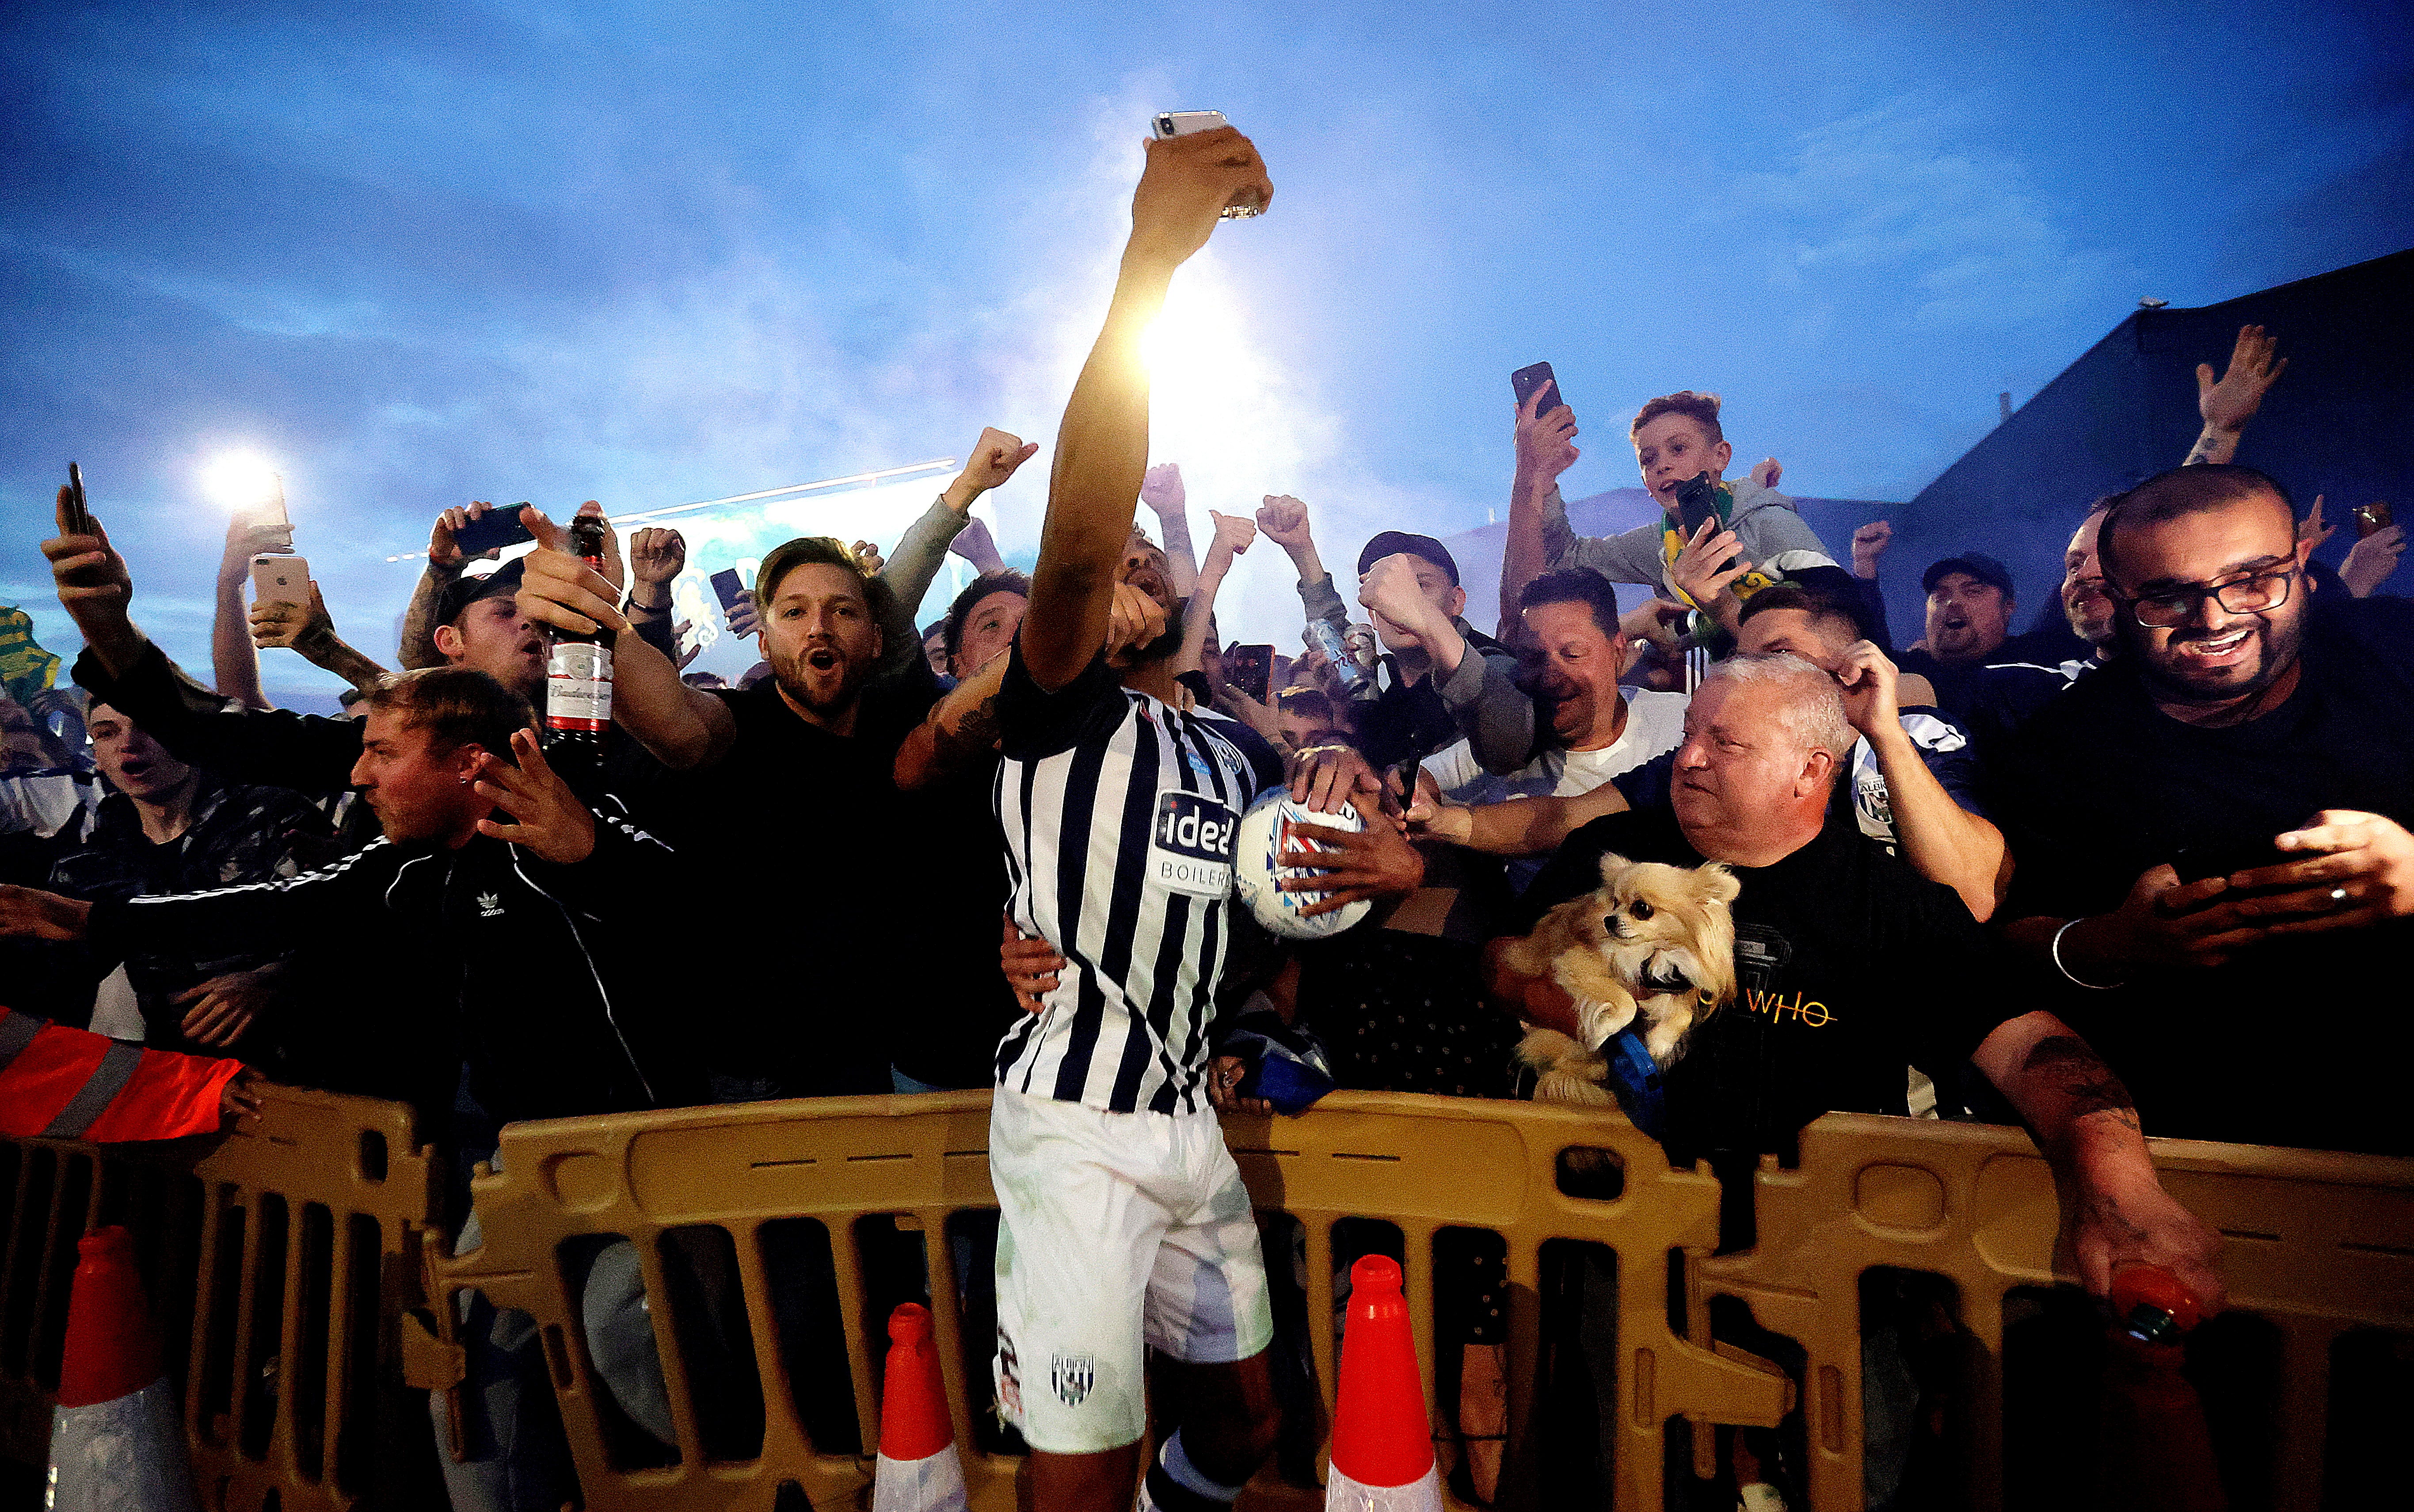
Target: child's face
{"points": [[1672, 450]]}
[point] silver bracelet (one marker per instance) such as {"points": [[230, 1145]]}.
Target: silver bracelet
{"points": [[2055, 950]]}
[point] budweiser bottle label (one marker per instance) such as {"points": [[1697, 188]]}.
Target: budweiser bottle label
{"points": [[579, 687]]}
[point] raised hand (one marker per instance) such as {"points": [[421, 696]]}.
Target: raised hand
{"points": [[1389, 588], [1234, 534], [867, 557], [561, 591], [1161, 488], [1283, 520], [546, 817], [616, 571], [444, 552], [2370, 560], [657, 555], [93, 583], [1183, 189], [1868, 544], [744, 620], [1766, 472], [303, 628], [2312, 529], [246, 538], [1546, 442], [2230, 402], [995, 457]]}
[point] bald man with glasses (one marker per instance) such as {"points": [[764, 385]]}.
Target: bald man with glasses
{"points": [[2212, 832]]}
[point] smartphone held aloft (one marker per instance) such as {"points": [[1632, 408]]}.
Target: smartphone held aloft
{"points": [[1246, 201], [276, 579]]}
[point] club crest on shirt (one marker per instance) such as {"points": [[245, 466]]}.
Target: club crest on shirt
{"points": [[1072, 1375], [1190, 845]]}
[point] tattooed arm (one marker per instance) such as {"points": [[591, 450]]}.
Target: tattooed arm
{"points": [[2115, 1213], [959, 733]]}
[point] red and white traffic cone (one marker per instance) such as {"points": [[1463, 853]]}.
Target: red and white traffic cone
{"points": [[1382, 1443], [918, 1471], [115, 1444]]}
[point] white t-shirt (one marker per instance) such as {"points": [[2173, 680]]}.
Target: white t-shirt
{"points": [[1655, 722]]}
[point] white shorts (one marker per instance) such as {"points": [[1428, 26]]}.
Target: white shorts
{"points": [[1119, 1231]]}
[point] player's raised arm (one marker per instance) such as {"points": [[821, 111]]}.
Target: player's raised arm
{"points": [[1102, 446]]}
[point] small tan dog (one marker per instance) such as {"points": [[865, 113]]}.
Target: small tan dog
{"points": [[1656, 941]]}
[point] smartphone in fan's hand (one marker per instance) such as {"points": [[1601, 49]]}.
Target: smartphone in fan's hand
{"points": [[1250, 669], [1527, 381], [726, 586], [276, 579], [492, 530], [79, 516], [1245, 201]]}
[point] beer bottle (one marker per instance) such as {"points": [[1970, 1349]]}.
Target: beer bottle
{"points": [[578, 683]]}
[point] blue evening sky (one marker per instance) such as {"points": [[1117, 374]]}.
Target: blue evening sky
{"points": [[656, 253]]}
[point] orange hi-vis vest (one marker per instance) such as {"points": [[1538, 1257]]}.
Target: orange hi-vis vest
{"points": [[57, 1083]]}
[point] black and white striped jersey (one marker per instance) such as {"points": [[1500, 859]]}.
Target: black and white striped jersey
{"points": [[1119, 814]]}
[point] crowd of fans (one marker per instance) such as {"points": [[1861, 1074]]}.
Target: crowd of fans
{"points": [[2091, 876]]}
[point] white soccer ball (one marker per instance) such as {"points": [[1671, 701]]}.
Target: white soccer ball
{"points": [[1274, 824]]}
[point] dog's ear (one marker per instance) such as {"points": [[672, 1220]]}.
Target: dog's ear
{"points": [[1716, 884], [1612, 866]]}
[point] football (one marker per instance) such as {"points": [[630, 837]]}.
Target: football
{"points": [[1274, 824]]}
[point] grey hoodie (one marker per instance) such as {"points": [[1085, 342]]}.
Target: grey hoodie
{"points": [[1773, 537]]}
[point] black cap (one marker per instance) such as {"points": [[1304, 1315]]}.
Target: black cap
{"points": [[1398, 543], [1984, 568], [464, 591]]}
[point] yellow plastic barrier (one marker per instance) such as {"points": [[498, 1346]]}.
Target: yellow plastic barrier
{"points": [[279, 1263], [1422, 1164], [286, 1267], [2315, 1245]]}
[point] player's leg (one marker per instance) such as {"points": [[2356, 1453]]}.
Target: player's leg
{"points": [[1208, 1314], [1076, 1240], [1229, 1418]]}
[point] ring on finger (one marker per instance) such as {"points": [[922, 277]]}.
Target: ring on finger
{"points": [[2338, 896]]}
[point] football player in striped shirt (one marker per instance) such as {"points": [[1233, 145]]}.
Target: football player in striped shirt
{"points": [[1124, 1225]]}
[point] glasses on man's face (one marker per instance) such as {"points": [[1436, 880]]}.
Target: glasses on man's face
{"points": [[2172, 608]]}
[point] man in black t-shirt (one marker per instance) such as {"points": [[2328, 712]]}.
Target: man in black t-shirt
{"points": [[2211, 829], [782, 802], [1851, 968]]}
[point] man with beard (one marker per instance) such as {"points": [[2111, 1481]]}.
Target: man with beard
{"points": [[1970, 606], [783, 798], [2212, 827]]}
